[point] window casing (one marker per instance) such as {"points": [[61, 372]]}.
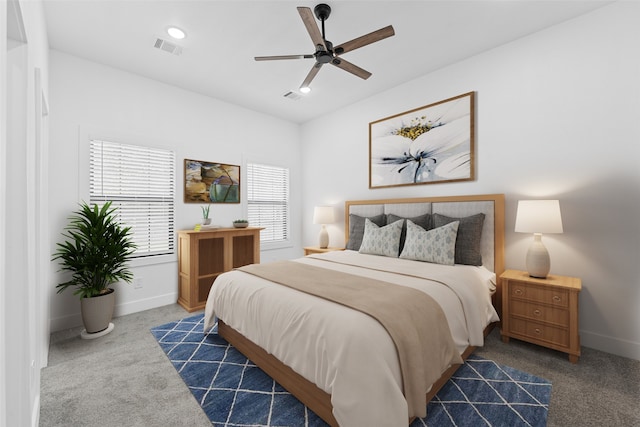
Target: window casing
{"points": [[268, 201], [140, 182]]}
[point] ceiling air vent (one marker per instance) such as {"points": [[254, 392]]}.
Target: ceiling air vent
{"points": [[292, 96], [167, 46]]}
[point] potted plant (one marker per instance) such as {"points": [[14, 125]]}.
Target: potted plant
{"points": [[205, 215], [240, 223], [96, 253]]}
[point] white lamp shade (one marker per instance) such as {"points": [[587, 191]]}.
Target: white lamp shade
{"points": [[538, 216], [324, 215]]}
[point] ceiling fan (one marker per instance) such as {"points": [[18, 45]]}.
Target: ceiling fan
{"points": [[325, 52]]}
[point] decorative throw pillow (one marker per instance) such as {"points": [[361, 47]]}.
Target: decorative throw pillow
{"points": [[437, 245], [381, 240], [356, 229], [468, 240], [423, 221]]}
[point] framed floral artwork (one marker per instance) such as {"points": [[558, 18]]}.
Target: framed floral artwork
{"points": [[210, 182], [427, 145]]}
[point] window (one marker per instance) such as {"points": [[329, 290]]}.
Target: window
{"points": [[268, 201], [139, 181]]}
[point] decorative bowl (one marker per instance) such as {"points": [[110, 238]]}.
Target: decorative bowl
{"points": [[240, 224]]}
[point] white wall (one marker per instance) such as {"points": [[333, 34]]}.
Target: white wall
{"points": [[556, 117], [91, 99], [3, 214], [23, 315]]}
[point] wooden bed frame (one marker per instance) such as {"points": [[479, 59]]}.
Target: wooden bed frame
{"points": [[307, 392]]}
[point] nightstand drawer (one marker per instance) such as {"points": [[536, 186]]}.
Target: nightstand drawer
{"points": [[539, 312], [557, 297], [540, 332]]}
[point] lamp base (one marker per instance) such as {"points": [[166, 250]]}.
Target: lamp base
{"points": [[324, 238], [538, 261]]}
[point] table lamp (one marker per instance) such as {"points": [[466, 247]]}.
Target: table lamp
{"points": [[323, 215], [537, 217]]}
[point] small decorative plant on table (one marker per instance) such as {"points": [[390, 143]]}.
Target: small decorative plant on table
{"points": [[205, 215], [240, 223]]}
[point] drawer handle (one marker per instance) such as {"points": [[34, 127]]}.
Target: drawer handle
{"points": [[537, 331], [537, 312], [556, 298], [518, 292]]}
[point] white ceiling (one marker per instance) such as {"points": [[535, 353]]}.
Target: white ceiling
{"points": [[224, 36]]}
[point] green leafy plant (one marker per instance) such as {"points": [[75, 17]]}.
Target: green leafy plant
{"points": [[205, 211], [96, 251], [240, 221]]}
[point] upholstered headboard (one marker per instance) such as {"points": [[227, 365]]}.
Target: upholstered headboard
{"points": [[491, 205]]}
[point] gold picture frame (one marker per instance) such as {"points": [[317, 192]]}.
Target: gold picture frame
{"points": [[427, 145], [211, 182]]}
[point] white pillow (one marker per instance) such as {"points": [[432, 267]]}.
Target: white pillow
{"points": [[381, 240], [437, 245]]}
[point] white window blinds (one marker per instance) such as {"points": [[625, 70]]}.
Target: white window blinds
{"points": [[268, 201], [140, 182]]}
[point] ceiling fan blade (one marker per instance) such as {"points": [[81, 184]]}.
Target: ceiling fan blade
{"points": [[373, 37], [314, 70], [310, 22], [353, 69], [277, 57]]}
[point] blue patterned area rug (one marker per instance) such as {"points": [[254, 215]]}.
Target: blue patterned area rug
{"points": [[233, 392]]}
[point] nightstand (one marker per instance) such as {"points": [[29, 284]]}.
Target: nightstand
{"points": [[541, 311], [308, 250]]}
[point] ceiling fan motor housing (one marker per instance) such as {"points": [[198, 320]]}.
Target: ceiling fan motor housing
{"points": [[325, 56]]}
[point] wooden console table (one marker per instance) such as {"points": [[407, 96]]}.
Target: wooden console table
{"points": [[204, 255]]}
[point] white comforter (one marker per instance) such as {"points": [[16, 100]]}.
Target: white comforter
{"points": [[345, 352]]}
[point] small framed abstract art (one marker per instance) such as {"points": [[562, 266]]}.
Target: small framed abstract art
{"points": [[210, 182], [427, 145]]}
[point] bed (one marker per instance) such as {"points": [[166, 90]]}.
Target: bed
{"points": [[341, 363]]}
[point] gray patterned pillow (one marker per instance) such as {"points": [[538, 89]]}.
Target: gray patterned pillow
{"points": [[381, 240], [356, 229], [468, 240], [423, 221], [437, 245]]}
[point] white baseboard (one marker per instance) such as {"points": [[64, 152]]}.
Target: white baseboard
{"points": [[612, 345], [66, 322], [35, 412], [75, 320], [145, 304]]}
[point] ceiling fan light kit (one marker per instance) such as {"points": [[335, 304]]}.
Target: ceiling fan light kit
{"points": [[325, 53]]}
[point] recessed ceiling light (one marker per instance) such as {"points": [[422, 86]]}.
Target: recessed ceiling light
{"points": [[305, 89], [176, 33]]}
